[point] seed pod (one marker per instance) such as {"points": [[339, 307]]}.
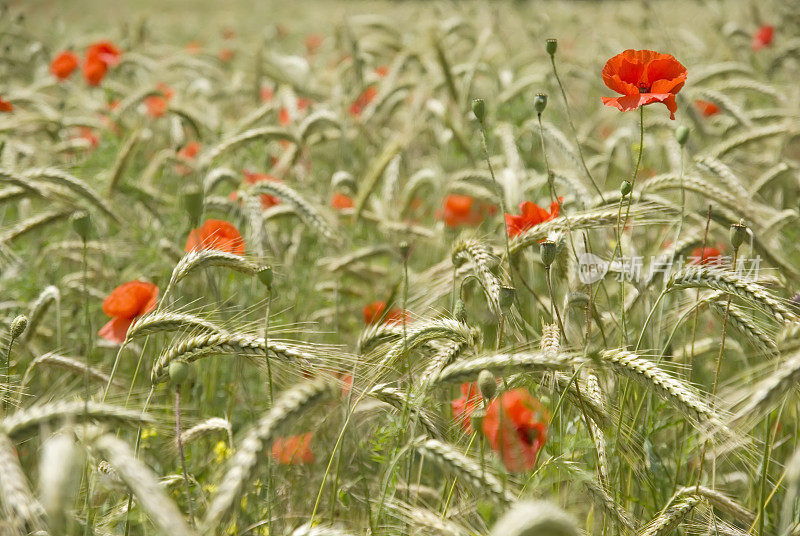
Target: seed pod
{"points": [[507, 295], [479, 109], [625, 188], [405, 250], [487, 384], [682, 135], [178, 372], [265, 275], [82, 224], [551, 45], [540, 103], [18, 326], [548, 250], [192, 201], [738, 234]]}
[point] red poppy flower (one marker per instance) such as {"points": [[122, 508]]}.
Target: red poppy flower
{"points": [[374, 311], [520, 432], [226, 54], [294, 450], [366, 97], [88, 134], [194, 47], [531, 216], [228, 33], [94, 71], [382, 70], [313, 42], [707, 108], [464, 407], [253, 178], [218, 235], [461, 210], [643, 77], [105, 52], [157, 104], [283, 117], [341, 201], [6, 106], [125, 303], [706, 256], [763, 37], [267, 94], [64, 64], [187, 153]]}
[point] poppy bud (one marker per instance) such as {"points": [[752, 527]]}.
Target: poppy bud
{"points": [[547, 250], [625, 188], [479, 109], [487, 384], [551, 45], [682, 135], [540, 103], [738, 234], [192, 200], [405, 250], [18, 326], [178, 372], [82, 224], [265, 276], [460, 311], [507, 295]]}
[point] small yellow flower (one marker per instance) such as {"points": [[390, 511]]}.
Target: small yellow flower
{"points": [[210, 488], [221, 452], [232, 529], [147, 433]]}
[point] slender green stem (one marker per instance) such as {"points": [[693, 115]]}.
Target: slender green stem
{"points": [[179, 442], [572, 127]]}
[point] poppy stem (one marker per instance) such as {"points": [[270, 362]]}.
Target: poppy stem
{"points": [[266, 346], [574, 130], [179, 441], [500, 193]]}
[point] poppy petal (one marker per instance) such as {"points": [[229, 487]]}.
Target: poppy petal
{"points": [[116, 329]]}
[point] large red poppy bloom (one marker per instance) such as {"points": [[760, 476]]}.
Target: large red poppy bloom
{"points": [[64, 64], [5, 106], [530, 216], [763, 37], [707, 108], [643, 77], [464, 407], [520, 432], [125, 303], [294, 450], [218, 235]]}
